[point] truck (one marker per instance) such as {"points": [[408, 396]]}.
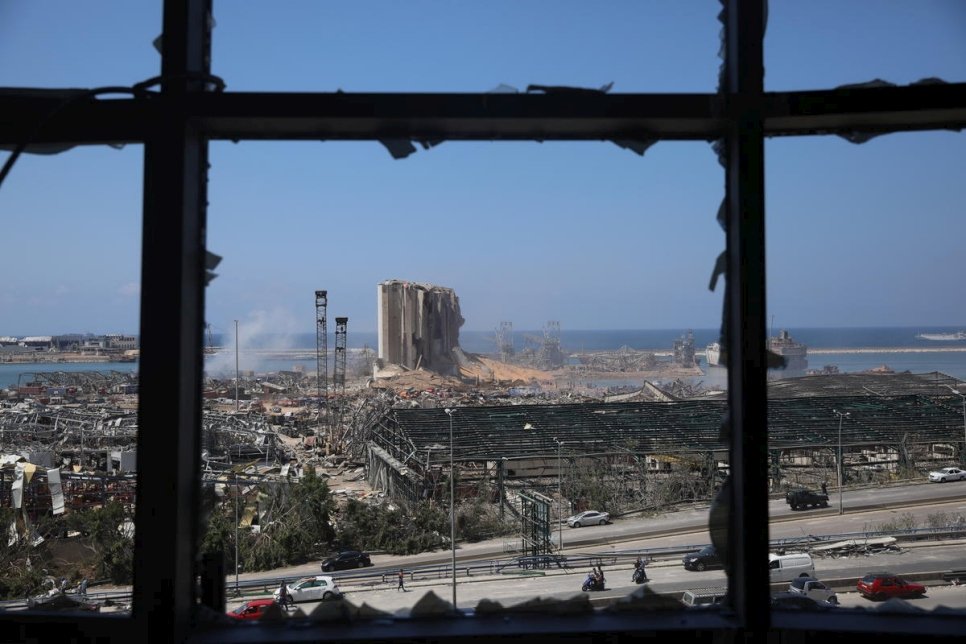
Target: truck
{"points": [[802, 499], [812, 587]]}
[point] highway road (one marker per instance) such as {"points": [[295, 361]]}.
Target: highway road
{"points": [[667, 577], [864, 510]]}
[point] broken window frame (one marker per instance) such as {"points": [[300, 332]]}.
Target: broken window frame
{"points": [[175, 126]]}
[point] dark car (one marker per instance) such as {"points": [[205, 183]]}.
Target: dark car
{"points": [[802, 499], [706, 557], [346, 560], [252, 609], [886, 585]]}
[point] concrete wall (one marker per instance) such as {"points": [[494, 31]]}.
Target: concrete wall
{"points": [[418, 325]]}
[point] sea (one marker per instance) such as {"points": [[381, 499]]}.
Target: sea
{"points": [[851, 349]]}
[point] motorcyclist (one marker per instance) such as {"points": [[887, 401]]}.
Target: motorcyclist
{"points": [[640, 574]]}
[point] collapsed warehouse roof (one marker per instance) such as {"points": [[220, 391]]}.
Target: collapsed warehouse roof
{"points": [[490, 433], [933, 383]]}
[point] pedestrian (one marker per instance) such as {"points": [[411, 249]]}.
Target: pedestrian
{"points": [[82, 588], [284, 599], [402, 577], [824, 488]]}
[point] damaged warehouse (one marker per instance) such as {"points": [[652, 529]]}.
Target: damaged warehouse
{"points": [[632, 447]]}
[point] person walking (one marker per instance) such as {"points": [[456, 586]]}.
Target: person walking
{"points": [[402, 577], [284, 599], [824, 488], [82, 588]]}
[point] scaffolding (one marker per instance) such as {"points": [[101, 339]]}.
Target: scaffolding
{"points": [[551, 355], [338, 376], [535, 524]]}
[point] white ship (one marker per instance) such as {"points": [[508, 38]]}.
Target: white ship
{"points": [[959, 335], [712, 354], [794, 353]]}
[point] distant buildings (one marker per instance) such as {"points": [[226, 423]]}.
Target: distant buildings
{"points": [[84, 344]]}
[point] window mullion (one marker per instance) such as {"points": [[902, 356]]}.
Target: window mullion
{"points": [[745, 310], [172, 318]]}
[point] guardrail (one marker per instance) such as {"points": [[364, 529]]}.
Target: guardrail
{"points": [[575, 561]]}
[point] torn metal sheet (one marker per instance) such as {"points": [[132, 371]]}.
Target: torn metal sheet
{"points": [[639, 147], [564, 89], [398, 148], [16, 489], [56, 490], [862, 136], [850, 547], [401, 148]]}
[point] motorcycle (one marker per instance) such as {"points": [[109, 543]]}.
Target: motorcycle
{"points": [[639, 576], [592, 583]]}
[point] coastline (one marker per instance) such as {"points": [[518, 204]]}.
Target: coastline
{"points": [[890, 350], [309, 354]]}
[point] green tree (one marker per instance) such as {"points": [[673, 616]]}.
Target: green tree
{"points": [[312, 499]]}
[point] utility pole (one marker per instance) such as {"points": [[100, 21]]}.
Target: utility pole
{"points": [[841, 415], [452, 501], [236, 365], [236, 533], [560, 495]]}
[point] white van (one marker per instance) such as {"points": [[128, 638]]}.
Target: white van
{"points": [[787, 567]]}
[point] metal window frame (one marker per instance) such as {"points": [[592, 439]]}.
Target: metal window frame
{"points": [[175, 128]]}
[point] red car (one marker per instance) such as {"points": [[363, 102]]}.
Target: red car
{"points": [[252, 609], [885, 585]]}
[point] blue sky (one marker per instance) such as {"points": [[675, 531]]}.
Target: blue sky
{"points": [[584, 233]]}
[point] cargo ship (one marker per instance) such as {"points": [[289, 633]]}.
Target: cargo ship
{"points": [[712, 353], [795, 354]]}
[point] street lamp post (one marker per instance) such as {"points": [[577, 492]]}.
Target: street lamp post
{"points": [[962, 458], [452, 501], [236, 533], [841, 415], [236, 365], [560, 496]]}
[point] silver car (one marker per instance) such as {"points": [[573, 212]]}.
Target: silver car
{"points": [[947, 474], [590, 517], [312, 589]]}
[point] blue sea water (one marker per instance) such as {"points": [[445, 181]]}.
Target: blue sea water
{"points": [[650, 339], [884, 340]]}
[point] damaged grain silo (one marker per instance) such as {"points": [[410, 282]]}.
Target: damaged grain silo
{"points": [[419, 325]]}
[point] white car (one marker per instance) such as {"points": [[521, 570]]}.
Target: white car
{"points": [[947, 474], [590, 517], [312, 589]]}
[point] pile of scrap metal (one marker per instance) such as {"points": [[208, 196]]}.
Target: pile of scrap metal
{"points": [[61, 601], [229, 438], [857, 547]]}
